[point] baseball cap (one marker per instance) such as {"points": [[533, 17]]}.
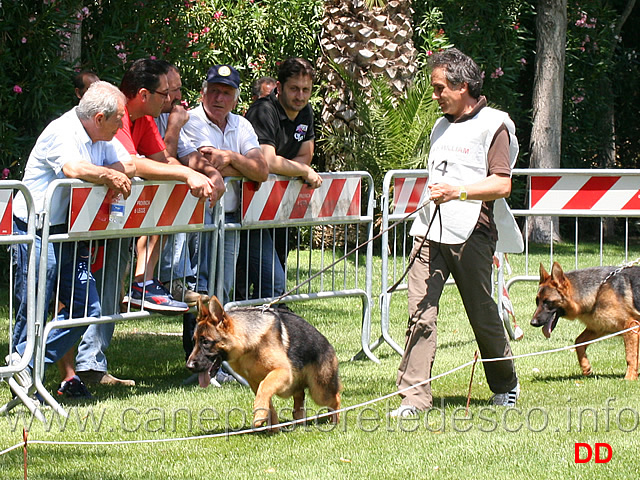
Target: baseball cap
{"points": [[224, 74]]}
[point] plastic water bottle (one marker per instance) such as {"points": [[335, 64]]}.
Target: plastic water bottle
{"points": [[116, 211]]}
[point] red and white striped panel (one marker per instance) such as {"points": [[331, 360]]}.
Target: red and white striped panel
{"points": [[148, 206], [585, 192], [6, 212], [408, 194], [282, 200]]}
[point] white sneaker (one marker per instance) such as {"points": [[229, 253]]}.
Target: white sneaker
{"points": [[404, 411], [23, 377], [507, 399]]}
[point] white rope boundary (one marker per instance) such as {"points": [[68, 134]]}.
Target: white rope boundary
{"points": [[323, 415]]}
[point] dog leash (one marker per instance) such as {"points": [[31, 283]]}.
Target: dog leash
{"points": [[417, 254], [358, 247]]}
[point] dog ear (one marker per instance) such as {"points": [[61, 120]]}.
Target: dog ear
{"points": [[543, 274], [203, 308], [216, 309], [557, 275]]}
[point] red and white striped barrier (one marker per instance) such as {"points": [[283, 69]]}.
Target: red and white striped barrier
{"points": [[585, 192], [282, 200], [6, 212], [408, 194], [148, 206]]}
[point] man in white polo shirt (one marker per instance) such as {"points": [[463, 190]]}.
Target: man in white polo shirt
{"points": [[229, 142]]}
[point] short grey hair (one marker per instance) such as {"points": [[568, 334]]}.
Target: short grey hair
{"points": [[459, 68], [101, 97], [205, 85]]}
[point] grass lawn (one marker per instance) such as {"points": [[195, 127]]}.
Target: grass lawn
{"points": [[558, 408]]}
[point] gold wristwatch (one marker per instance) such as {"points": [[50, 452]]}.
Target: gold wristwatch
{"points": [[463, 193]]}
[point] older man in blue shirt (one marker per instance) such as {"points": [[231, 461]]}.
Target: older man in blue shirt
{"points": [[79, 144]]}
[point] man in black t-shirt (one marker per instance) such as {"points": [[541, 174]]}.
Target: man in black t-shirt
{"points": [[283, 122]]}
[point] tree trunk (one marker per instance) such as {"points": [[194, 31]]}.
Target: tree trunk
{"points": [[546, 133], [609, 155], [73, 51]]}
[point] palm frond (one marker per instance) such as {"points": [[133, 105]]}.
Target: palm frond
{"points": [[393, 132]]}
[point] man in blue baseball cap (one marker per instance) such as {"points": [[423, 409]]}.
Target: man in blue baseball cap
{"points": [[227, 140], [230, 144], [224, 74]]}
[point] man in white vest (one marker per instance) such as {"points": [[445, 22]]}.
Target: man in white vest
{"points": [[473, 148]]}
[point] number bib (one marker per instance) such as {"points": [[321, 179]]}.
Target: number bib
{"points": [[458, 156]]}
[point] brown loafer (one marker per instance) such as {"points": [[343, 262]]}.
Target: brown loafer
{"points": [[103, 378]]}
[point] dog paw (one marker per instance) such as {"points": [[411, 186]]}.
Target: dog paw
{"points": [[260, 422], [263, 422]]}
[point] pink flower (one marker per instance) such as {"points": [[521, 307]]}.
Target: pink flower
{"points": [[206, 30], [24, 40], [195, 54], [523, 61], [218, 15], [5, 173], [429, 53], [498, 73], [582, 21], [17, 89], [153, 57]]}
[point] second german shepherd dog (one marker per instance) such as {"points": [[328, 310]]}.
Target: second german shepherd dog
{"points": [[604, 301], [276, 351]]}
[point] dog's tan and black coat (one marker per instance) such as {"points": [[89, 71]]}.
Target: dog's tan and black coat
{"points": [[604, 301], [276, 351]]}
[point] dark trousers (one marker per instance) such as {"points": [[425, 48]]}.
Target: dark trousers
{"points": [[470, 264]]}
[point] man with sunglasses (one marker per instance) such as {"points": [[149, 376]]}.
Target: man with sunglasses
{"points": [[146, 87]]}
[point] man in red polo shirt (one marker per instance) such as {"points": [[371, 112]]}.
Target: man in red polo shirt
{"points": [[146, 87]]}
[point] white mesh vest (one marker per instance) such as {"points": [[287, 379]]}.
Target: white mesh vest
{"points": [[458, 156]]}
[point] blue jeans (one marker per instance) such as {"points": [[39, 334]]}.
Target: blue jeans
{"points": [[265, 272], [74, 277], [97, 338], [177, 257], [231, 248]]}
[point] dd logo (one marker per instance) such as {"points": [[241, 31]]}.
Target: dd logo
{"points": [[598, 448]]}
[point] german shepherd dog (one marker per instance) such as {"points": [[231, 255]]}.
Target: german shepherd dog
{"points": [[277, 352], [606, 302]]}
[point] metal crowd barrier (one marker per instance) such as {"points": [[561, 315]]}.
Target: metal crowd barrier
{"points": [[403, 192], [154, 208], [320, 227], [580, 194], [326, 221], [8, 238]]}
